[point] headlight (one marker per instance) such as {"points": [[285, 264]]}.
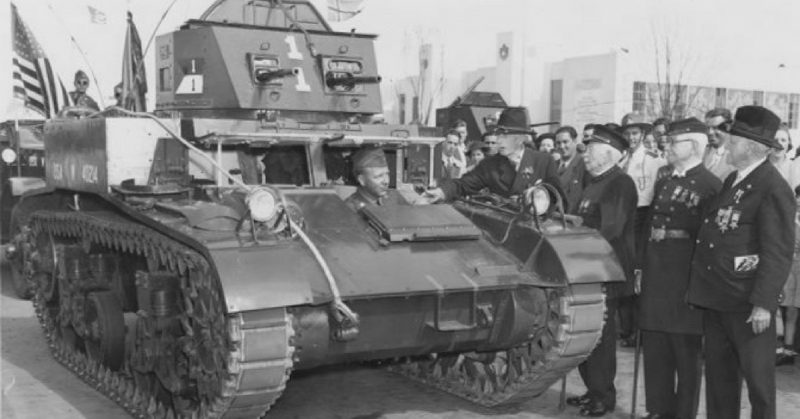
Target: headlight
{"points": [[263, 204], [9, 155], [539, 198]]}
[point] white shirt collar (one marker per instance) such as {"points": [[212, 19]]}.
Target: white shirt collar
{"points": [[741, 174], [676, 173]]}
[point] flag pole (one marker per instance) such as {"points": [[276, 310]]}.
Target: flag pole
{"points": [[153, 34]]}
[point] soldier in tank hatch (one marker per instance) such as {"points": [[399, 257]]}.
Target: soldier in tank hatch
{"points": [[608, 204], [372, 173], [671, 329], [79, 96]]}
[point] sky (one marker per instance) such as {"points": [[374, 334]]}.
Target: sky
{"points": [[737, 40]]}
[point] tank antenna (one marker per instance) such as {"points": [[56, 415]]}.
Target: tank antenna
{"points": [[80, 50]]}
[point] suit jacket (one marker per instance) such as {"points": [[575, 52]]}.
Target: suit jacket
{"points": [[497, 173], [679, 204], [573, 177], [608, 204], [744, 247]]}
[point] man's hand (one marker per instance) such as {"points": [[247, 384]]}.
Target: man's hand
{"points": [[637, 281], [759, 319], [432, 196]]}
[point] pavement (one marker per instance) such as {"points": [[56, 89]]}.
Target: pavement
{"points": [[35, 386]]}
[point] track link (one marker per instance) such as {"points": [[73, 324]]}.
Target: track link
{"points": [[257, 346], [573, 326]]}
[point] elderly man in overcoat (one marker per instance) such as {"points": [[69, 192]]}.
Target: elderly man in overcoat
{"points": [[671, 329], [742, 258], [608, 204]]}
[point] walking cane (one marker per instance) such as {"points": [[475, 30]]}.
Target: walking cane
{"points": [[562, 402], [636, 355]]}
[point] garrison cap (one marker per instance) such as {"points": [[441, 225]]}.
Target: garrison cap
{"points": [[756, 123], [369, 157], [687, 126], [605, 135], [80, 75]]}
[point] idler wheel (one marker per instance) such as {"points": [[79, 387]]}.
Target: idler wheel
{"points": [[105, 324]]}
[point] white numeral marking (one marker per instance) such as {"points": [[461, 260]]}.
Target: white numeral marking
{"points": [[294, 54], [302, 85]]}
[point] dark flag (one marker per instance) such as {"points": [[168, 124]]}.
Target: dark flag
{"points": [[134, 82], [34, 80]]}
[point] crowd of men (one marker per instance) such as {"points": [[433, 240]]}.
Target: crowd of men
{"points": [[700, 217]]}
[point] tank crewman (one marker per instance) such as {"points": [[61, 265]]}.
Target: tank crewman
{"points": [[742, 258], [642, 166], [79, 96], [571, 168], [511, 171], [608, 204], [372, 173], [671, 329]]}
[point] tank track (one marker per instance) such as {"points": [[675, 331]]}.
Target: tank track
{"points": [[574, 322], [256, 346]]}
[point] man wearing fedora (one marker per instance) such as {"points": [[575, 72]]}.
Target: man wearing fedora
{"points": [[607, 204], [512, 170], [671, 329], [742, 258]]}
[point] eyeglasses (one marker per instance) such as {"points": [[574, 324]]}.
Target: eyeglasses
{"points": [[83, 83], [672, 141]]}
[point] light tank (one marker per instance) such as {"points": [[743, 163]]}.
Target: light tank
{"points": [[185, 263]]}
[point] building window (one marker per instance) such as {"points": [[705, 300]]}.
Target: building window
{"points": [[794, 105], [639, 97], [720, 101], [415, 109], [758, 97], [401, 106], [556, 92]]}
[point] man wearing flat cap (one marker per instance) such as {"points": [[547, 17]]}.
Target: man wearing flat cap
{"points": [[642, 165], [671, 329], [372, 174], [742, 257], [607, 204], [511, 171]]}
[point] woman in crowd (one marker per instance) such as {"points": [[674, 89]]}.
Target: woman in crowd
{"points": [[791, 297]]}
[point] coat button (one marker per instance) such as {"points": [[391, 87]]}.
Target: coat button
{"points": [[697, 241], [708, 268], [711, 245], [706, 220]]}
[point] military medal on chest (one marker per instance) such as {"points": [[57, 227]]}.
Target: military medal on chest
{"points": [[728, 219]]}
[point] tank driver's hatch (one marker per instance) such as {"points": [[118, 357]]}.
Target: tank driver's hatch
{"points": [[396, 223]]}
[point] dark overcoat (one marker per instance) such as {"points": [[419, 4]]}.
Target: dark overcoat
{"points": [[608, 204], [744, 246], [678, 205], [498, 174]]}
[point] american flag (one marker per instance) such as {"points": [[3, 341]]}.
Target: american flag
{"points": [[34, 79]]}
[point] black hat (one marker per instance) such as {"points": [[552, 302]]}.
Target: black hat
{"points": [[612, 126], [686, 126], [513, 121], [604, 134], [80, 75], [635, 120], [756, 123]]}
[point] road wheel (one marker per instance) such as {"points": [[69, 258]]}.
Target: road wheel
{"points": [[105, 339]]}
